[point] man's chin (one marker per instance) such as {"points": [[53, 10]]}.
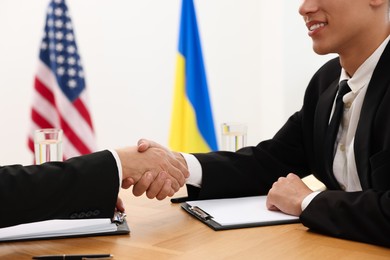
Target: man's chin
{"points": [[320, 50]]}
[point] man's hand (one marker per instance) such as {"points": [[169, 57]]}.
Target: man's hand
{"points": [[287, 195], [158, 187], [157, 167], [174, 158]]}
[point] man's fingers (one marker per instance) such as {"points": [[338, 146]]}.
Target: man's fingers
{"points": [[126, 183], [181, 165], [176, 166], [292, 176], [157, 185], [166, 190], [270, 205], [143, 184], [143, 145], [119, 205], [273, 208], [140, 141], [150, 144], [176, 178]]}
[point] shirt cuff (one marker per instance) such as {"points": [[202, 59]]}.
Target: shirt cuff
{"points": [[306, 201], [118, 164], [195, 170]]}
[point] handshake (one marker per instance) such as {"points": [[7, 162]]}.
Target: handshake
{"points": [[153, 169]]}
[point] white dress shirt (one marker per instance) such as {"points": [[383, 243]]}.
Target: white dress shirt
{"points": [[344, 164]]}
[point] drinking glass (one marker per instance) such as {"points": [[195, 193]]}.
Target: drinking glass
{"points": [[233, 136], [48, 145]]}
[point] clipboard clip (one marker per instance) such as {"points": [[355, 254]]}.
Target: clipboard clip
{"points": [[118, 217], [200, 213]]}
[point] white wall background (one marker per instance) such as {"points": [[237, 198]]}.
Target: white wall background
{"points": [[257, 54]]}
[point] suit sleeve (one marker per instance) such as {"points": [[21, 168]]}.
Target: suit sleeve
{"points": [[363, 216], [82, 187]]}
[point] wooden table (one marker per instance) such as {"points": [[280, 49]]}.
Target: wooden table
{"points": [[161, 230]]}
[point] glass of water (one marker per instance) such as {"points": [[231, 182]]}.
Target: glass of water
{"points": [[233, 136], [48, 145]]}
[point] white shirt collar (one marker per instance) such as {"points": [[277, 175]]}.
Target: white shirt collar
{"points": [[364, 73]]}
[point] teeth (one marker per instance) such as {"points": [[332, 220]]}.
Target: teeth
{"points": [[316, 26]]}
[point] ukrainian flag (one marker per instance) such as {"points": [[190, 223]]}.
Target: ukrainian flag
{"points": [[192, 126]]}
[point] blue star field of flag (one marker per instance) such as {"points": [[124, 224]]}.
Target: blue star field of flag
{"points": [[59, 50]]}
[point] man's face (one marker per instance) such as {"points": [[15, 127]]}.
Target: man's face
{"points": [[338, 26]]}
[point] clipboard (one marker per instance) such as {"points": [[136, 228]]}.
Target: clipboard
{"points": [[243, 212], [66, 228]]}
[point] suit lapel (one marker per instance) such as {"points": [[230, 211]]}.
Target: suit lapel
{"points": [[375, 92], [321, 120]]}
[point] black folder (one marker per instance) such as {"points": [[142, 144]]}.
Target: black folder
{"points": [[245, 212]]}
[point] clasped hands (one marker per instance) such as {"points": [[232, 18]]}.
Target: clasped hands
{"points": [[152, 169]]}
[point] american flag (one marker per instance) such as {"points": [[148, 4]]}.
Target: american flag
{"points": [[60, 98]]}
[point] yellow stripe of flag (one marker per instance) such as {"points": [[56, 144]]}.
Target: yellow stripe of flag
{"points": [[192, 126]]}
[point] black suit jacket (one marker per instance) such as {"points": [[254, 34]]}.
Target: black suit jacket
{"points": [[298, 148], [82, 187]]}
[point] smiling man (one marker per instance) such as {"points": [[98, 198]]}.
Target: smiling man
{"points": [[341, 134]]}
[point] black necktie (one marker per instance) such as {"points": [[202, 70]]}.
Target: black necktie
{"points": [[333, 127]]}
